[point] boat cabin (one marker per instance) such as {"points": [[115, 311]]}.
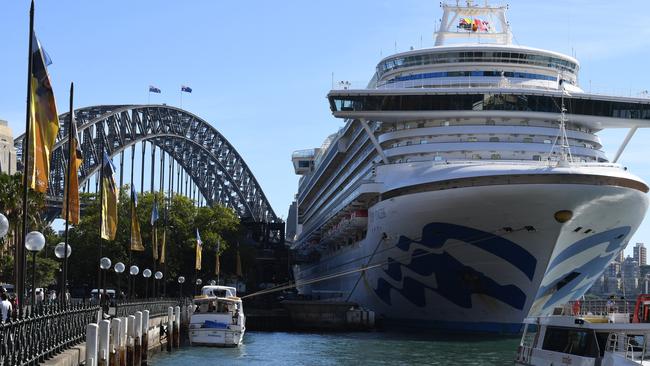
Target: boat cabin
{"points": [[219, 291]]}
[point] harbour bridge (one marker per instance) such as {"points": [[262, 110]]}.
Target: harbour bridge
{"points": [[194, 158]]}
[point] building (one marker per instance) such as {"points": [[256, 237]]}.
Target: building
{"points": [[630, 277], [7, 150], [640, 254]]}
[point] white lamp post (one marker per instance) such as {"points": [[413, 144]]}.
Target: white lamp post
{"points": [[104, 264], [134, 270], [63, 251], [181, 280], [119, 269], [34, 242], [158, 276], [197, 283], [146, 274]]}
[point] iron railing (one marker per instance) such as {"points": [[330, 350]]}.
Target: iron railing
{"points": [[156, 307], [44, 331]]}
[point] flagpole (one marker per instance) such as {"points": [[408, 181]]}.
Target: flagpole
{"points": [[20, 247], [67, 195], [131, 281], [101, 216]]}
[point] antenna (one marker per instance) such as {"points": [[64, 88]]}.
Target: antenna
{"points": [[565, 150]]}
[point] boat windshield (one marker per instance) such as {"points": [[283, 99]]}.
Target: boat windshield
{"points": [[217, 306], [579, 342]]}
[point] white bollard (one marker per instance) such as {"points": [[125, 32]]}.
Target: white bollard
{"points": [[145, 322], [99, 316], [145, 337], [104, 332], [91, 344], [130, 330], [170, 328], [123, 331], [116, 338], [138, 324], [177, 329]]}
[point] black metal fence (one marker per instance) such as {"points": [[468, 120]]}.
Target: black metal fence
{"points": [[48, 329], [44, 331]]}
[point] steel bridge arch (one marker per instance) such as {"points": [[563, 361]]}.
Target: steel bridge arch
{"points": [[214, 165]]}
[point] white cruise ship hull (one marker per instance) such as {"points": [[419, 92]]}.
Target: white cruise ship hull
{"points": [[480, 258]]}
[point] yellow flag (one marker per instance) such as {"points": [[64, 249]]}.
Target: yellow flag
{"points": [[109, 200], [199, 250], [76, 159], [136, 238], [43, 121], [162, 250]]}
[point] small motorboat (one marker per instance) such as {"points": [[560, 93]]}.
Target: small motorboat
{"points": [[218, 318], [585, 338]]}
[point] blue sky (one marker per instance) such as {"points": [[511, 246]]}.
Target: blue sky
{"points": [[260, 70]]}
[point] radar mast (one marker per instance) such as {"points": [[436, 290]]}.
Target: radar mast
{"points": [[474, 22]]}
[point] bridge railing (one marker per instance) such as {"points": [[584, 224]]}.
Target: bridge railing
{"points": [[44, 331], [156, 307]]}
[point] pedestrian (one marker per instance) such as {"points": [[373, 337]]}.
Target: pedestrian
{"points": [[6, 308]]}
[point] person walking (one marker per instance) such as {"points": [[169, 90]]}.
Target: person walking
{"points": [[6, 308]]}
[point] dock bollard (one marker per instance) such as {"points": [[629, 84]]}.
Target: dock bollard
{"points": [[170, 328], [104, 333], [137, 339], [129, 341], [91, 344], [177, 327], [145, 336], [116, 339], [123, 339]]}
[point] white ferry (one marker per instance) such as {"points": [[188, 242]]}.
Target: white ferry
{"points": [[608, 339], [218, 318], [468, 186]]}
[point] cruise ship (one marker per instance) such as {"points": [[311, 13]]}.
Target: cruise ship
{"points": [[468, 187]]}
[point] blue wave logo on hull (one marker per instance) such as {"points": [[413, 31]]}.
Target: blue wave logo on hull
{"points": [[576, 280], [455, 281]]}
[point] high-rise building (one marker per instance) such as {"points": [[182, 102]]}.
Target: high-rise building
{"points": [[640, 254], [7, 150]]}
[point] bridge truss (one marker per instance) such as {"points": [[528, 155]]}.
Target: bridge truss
{"points": [[212, 163]]}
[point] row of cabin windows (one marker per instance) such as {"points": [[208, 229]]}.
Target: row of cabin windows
{"points": [[492, 156], [411, 125], [491, 139]]}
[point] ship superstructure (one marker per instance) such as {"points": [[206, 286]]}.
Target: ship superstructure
{"points": [[468, 187]]}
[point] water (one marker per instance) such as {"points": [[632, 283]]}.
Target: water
{"points": [[377, 348]]}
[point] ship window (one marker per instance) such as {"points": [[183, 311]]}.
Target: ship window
{"points": [[437, 158], [472, 139], [537, 157], [407, 143], [530, 334], [423, 141], [445, 123], [547, 141], [579, 342], [494, 139], [476, 156], [528, 139], [495, 156], [489, 123]]}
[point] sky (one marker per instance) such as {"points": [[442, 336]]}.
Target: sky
{"points": [[260, 70]]}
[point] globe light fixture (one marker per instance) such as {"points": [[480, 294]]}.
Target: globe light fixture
{"points": [[158, 275], [105, 263], [181, 279], [34, 241], [134, 270], [4, 225], [156, 286], [199, 281], [146, 273], [60, 250], [119, 267], [213, 282]]}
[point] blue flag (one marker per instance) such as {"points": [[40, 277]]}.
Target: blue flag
{"points": [[186, 89], [154, 213], [153, 89]]}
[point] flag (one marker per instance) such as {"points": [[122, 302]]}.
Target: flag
{"points": [[238, 264], [217, 266], [154, 229], [76, 159], [186, 89], [136, 238], [109, 200], [43, 121], [162, 249], [199, 249], [153, 89]]}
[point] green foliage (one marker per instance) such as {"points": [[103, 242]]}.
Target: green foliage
{"points": [[216, 224]]}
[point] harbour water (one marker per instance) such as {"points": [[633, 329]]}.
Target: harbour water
{"points": [[375, 348]]}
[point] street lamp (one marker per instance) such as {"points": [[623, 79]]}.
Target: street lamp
{"points": [[34, 242], [4, 225], [146, 274], [134, 270], [119, 269], [62, 251], [181, 280], [197, 283], [158, 276], [104, 264]]}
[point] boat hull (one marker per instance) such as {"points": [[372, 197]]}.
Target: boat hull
{"points": [[480, 259]]}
